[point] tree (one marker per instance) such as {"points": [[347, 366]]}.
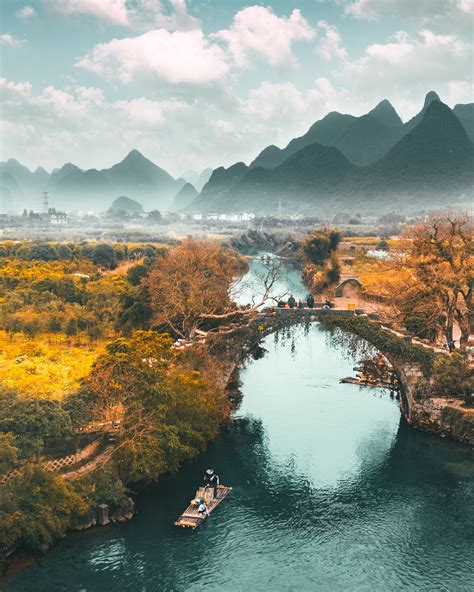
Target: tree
{"points": [[35, 509], [38, 425], [8, 452], [136, 273], [104, 256], [190, 284], [71, 327], [170, 410], [319, 246], [383, 246], [453, 376], [441, 254], [43, 252]]}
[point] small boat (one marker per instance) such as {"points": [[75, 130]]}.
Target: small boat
{"points": [[190, 517], [368, 382]]}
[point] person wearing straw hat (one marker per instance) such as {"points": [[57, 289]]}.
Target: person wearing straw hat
{"points": [[211, 480]]}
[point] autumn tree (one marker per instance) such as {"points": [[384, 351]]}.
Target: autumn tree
{"points": [[191, 284], [170, 410], [441, 255]]}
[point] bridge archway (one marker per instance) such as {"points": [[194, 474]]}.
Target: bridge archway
{"points": [[347, 282], [270, 321]]}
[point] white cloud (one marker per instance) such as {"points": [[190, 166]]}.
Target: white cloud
{"points": [[176, 58], [139, 14], [466, 6], [282, 111], [145, 112], [331, 47], [114, 11], [258, 31], [11, 91], [7, 39], [372, 10], [149, 14], [26, 13], [447, 16], [407, 66]]}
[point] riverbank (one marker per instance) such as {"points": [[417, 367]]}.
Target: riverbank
{"points": [[328, 485]]}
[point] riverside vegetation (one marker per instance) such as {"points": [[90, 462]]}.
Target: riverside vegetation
{"points": [[79, 346], [88, 335]]}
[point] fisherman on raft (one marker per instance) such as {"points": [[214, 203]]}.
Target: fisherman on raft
{"points": [[211, 480]]}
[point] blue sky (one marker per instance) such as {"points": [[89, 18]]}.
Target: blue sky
{"points": [[204, 82]]}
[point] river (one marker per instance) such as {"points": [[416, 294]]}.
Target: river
{"points": [[332, 492]]}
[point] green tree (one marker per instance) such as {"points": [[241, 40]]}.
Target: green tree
{"points": [[104, 256], [453, 376], [319, 246], [43, 252], [36, 508], [71, 327], [170, 411], [38, 425], [8, 452], [136, 273]]}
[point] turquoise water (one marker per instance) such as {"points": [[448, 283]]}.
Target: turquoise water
{"points": [[332, 492]]}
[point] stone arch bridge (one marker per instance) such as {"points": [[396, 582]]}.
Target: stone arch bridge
{"points": [[234, 343]]}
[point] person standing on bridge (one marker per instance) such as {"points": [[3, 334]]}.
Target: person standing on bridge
{"points": [[291, 302], [310, 301]]}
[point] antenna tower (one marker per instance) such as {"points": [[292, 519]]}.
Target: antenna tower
{"points": [[45, 202]]}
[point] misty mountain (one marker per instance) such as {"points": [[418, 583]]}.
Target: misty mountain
{"points": [[431, 163], [414, 121], [143, 180], [27, 186], [361, 139], [59, 174], [203, 178], [197, 180], [125, 204], [465, 114], [185, 196], [10, 192], [72, 188], [312, 172]]}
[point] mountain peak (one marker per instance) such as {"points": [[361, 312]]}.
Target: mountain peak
{"points": [[431, 96], [134, 155], [385, 113]]}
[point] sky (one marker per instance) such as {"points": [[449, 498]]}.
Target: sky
{"points": [[207, 83]]}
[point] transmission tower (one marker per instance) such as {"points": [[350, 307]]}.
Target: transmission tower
{"points": [[45, 202]]}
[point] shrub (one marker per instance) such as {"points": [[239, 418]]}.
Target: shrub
{"points": [[36, 508], [454, 377]]}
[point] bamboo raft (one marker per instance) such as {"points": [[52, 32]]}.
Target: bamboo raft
{"points": [[374, 383], [190, 517]]}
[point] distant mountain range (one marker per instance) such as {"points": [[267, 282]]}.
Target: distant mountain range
{"points": [[184, 198], [197, 180], [72, 188], [357, 163], [342, 162]]}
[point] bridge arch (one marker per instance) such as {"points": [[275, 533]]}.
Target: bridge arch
{"points": [[271, 320], [353, 281]]}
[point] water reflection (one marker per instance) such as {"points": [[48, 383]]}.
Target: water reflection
{"points": [[332, 492]]}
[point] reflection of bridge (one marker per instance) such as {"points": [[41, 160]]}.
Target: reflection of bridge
{"points": [[441, 415]]}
